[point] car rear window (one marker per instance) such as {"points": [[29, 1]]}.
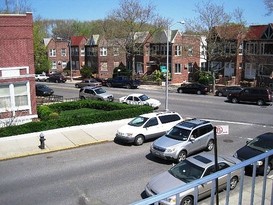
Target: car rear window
{"points": [[169, 118]]}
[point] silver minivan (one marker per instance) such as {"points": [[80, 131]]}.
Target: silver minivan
{"points": [[185, 138]]}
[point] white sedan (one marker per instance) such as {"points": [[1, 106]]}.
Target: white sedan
{"points": [[140, 99]]}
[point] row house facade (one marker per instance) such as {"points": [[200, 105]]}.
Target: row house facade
{"points": [[248, 58], [248, 55], [17, 79]]}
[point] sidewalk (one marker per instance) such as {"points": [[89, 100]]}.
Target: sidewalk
{"points": [[58, 139]]}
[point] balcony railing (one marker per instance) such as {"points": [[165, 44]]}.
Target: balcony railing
{"points": [[259, 191]]}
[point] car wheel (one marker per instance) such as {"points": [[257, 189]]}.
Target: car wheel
{"points": [[128, 86], [210, 145], [233, 182], [198, 92], [56, 81], [182, 156], [139, 140], [77, 86], [188, 200], [108, 84], [220, 94], [82, 98], [260, 102], [234, 100], [180, 91]]}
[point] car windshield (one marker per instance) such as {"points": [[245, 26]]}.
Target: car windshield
{"points": [[138, 121], [261, 144], [186, 171], [144, 97], [100, 90], [178, 133]]}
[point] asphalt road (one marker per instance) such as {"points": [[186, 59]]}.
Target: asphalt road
{"points": [[111, 173]]}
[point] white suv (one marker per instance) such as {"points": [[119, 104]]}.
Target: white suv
{"points": [[147, 126]]}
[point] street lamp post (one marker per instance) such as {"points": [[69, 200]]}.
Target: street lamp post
{"points": [[70, 61], [167, 67]]}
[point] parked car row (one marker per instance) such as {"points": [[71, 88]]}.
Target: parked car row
{"points": [[183, 141], [55, 78]]}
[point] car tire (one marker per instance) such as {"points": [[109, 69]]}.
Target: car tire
{"points": [[139, 140], [180, 91], [128, 86], [234, 100], [181, 156], [233, 182], [108, 84], [82, 98], [260, 102], [56, 81], [210, 145], [199, 92], [77, 86], [220, 94], [188, 200]]}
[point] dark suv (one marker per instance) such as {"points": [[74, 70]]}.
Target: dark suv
{"points": [[259, 95], [56, 78], [196, 88]]}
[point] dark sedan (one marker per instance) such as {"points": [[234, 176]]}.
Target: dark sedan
{"points": [[257, 146], [226, 90], [195, 88], [43, 90]]}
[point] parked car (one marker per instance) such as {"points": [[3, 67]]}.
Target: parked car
{"points": [[147, 126], [259, 95], [122, 81], [195, 88], [43, 90], [193, 168], [261, 144], [87, 82], [41, 77], [96, 93], [140, 99], [184, 139], [56, 78], [226, 90]]}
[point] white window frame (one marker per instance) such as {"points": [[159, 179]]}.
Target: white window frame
{"points": [[177, 68], [63, 52], [103, 51], [52, 52], [250, 71], [82, 51], [178, 50], [229, 69]]}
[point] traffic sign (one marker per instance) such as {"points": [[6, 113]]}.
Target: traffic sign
{"points": [[163, 68], [222, 129]]}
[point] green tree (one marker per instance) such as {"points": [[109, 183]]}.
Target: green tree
{"points": [[41, 61], [87, 72]]}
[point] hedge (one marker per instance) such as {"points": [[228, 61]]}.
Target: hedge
{"points": [[50, 117]]}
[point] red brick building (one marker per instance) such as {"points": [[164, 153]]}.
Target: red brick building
{"points": [[17, 79]]}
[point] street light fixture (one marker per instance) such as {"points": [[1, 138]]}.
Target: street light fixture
{"points": [[167, 71]]}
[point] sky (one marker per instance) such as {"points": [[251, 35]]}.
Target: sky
{"points": [[254, 11]]}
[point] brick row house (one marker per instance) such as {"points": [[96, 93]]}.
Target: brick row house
{"points": [[17, 79], [248, 56]]}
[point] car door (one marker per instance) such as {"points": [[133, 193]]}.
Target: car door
{"points": [[204, 190], [152, 127], [194, 140]]}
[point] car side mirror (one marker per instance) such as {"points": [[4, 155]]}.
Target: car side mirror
{"points": [[192, 138], [249, 140]]}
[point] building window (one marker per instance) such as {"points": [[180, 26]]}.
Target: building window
{"points": [[103, 51], [267, 49], [64, 64], [203, 66], [82, 51], [63, 52], [229, 69], [14, 97], [177, 68], [20, 95], [52, 52], [190, 51], [139, 67], [251, 48], [250, 71], [190, 67], [115, 51], [103, 66], [54, 65], [178, 50]]}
